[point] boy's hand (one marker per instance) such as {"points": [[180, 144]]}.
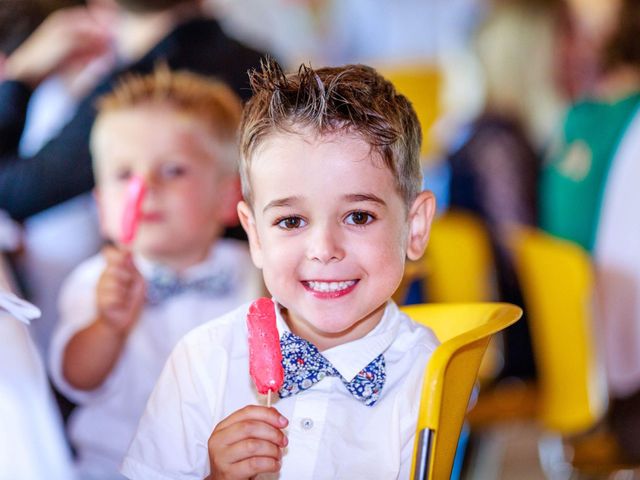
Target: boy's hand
{"points": [[68, 36], [246, 443], [120, 291]]}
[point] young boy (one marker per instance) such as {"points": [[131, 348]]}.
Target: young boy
{"points": [[332, 206], [124, 310]]}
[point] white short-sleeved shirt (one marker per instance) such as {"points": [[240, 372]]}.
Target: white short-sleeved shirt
{"points": [[617, 265], [331, 434], [102, 426]]}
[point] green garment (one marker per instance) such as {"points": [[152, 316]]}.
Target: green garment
{"points": [[573, 181]]}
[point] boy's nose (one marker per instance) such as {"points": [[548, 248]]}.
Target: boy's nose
{"points": [[150, 179], [325, 244]]}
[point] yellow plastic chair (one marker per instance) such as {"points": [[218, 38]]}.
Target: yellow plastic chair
{"points": [[459, 260], [464, 331], [458, 263], [557, 283], [422, 84]]}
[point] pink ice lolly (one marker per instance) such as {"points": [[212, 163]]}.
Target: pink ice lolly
{"points": [[265, 357], [135, 194]]}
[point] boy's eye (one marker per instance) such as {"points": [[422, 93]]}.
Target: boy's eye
{"points": [[359, 218], [291, 223], [172, 170], [123, 174]]}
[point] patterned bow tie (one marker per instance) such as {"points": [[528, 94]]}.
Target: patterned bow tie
{"points": [[162, 286], [304, 366]]}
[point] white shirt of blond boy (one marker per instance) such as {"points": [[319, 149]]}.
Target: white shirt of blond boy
{"points": [[102, 425], [331, 232]]}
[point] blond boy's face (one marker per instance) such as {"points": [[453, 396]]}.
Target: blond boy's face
{"points": [[330, 232], [187, 197]]}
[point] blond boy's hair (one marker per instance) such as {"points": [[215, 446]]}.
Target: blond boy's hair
{"points": [[211, 102], [352, 99]]}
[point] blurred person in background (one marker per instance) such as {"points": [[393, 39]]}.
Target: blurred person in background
{"points": [[174, 31], [495, 159], [123, 310], [35, 177], [588, 193]]}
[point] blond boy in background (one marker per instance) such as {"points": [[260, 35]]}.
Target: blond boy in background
{"points": [[123, 310]]}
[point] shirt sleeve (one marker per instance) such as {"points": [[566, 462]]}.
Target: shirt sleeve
{"points": [[172, 436], [76, 311]]}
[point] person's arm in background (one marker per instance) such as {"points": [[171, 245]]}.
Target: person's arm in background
{"points": [[62, 169], [91, 353]]}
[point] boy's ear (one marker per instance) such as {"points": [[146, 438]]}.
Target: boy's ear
{"points": [[421, 215], [248, 223], [231, 195]]}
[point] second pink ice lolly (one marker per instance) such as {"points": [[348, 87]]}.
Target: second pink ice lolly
{"points": [[265, 357], [131, 216]]}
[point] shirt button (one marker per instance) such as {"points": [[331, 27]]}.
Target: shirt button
{"points": [[306, 423]]}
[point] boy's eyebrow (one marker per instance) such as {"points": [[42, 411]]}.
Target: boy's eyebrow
{"points": [[280, 202], [364, 197]]}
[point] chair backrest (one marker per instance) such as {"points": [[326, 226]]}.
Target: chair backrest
{"points": [[464, 331], [556, 280], [459, 260], [422, 84], [458, 266]]}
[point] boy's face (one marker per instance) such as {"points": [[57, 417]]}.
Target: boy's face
{"points": [[187, 198], [330, 232]]}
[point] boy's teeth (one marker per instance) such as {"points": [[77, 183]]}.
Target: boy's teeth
{"points": [[330, 286]]}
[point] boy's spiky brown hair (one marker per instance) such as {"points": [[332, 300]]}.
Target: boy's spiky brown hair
{"points": [[353, 99]]}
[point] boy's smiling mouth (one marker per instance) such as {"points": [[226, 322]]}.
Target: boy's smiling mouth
{"points": [[329, 289], [152, 216]]}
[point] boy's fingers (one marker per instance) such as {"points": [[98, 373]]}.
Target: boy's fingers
{"points": [[119, 274], [253, 466], [118, 256], [255, 412], [111, 301], [252, 447], [114, 290], [111, 253], [250, 430]]}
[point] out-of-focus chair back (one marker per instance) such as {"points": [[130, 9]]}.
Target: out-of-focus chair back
{"points": [[557, 282], [459, 260], [458, 263], [422, 84], [464, 331]]}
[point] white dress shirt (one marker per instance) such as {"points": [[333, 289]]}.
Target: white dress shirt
{"points": [[617, 262], [105, 421], [331, 434]]}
